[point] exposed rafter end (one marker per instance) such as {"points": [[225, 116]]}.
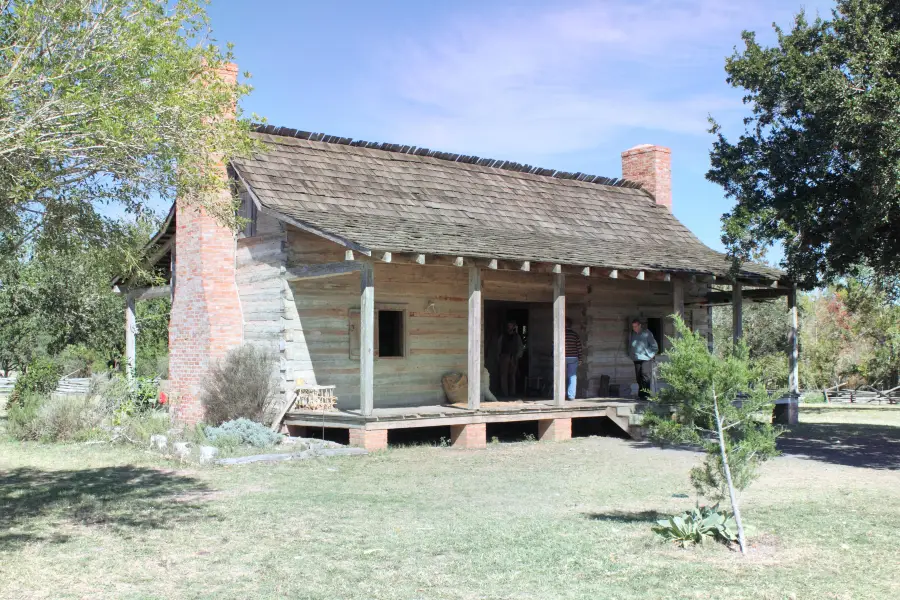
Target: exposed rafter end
{"points": [[348, 255], [458, 261], [525, 266], [385, 257], [420, 259], [614, 274]]}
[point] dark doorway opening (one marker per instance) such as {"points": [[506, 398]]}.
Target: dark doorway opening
{"points": [[655, 326], [530, 381]]}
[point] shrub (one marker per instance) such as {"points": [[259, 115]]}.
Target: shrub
{"points": [[242, 431], [41, 377], [242, 386], [140, 426], [80, 361], [21, 417], [698, 525], [54, 418], [121, 398]]}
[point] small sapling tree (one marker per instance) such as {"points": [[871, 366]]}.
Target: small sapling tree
{"points": [[719, 404]]}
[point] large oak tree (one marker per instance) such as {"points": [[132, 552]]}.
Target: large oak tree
{"points": [[818, 166]]}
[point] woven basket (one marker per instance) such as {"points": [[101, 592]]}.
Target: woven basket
{"points": [[456, 387]]}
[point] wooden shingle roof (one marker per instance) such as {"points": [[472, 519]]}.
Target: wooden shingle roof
{"points": [[401, 199]]}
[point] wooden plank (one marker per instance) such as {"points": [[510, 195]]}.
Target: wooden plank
{"points": [[150, 293], [130, 331], [367, 340], [323, 270], [559, 339], [678, 297], [793, 345], [474, 341], [737, 312]]}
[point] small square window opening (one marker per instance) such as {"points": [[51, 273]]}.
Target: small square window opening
{"points": [[390, 333]]}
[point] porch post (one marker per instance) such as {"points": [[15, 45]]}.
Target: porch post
{"points": [[737, 308], [793, 345], [559, 339], [786, 410], [678, 296], [366, 339], [474, 338], [130, 330]]}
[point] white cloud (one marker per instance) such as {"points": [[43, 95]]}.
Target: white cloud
{"points": [[563, 79]]}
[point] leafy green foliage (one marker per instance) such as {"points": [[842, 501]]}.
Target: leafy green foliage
{"points": [[818, 166], [138, 427], [55, 418], [121, 398], [152, 352], [697, 525], [241, 431], [242, 386], [111, 102], [701, 388], [42, 377]]}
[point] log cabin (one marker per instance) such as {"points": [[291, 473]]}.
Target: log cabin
{"points": [[379, 268]]}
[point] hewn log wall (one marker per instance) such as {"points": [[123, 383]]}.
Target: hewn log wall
{"points": [[309, 322]]}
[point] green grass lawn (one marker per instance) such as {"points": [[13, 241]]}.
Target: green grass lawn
{"points": [[521, 520]]}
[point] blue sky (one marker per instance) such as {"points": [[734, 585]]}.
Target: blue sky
{"points": [[567, 84]]}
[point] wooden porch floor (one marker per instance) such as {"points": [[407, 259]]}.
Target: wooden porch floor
{"points": [[625, 413]]}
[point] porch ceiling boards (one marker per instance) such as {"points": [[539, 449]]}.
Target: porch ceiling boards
{"points": [[400, 199]]}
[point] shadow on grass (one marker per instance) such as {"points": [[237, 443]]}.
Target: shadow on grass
{"points": [[33, 503], [854, 445], [644, 516]]}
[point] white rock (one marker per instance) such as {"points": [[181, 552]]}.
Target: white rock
{"points": [[208, 453], [159, 442], [182, 449]]}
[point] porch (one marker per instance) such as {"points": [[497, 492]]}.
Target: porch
{"points": [[468, 426]]}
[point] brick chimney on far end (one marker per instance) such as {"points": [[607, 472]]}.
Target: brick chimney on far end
{"points": [[651, 166]]}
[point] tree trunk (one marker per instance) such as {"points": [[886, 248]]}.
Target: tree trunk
{"points": [[734, 503]]}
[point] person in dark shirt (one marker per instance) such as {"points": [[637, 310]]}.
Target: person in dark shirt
{"points": [[574, 358], [511, 349]]}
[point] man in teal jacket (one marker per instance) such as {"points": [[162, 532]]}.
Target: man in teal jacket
{"points": [[642, 348]]}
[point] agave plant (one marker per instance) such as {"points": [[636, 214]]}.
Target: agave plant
{"points": [[696, 525]]}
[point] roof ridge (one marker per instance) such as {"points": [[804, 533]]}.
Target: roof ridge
{"points": [[506, 165]]}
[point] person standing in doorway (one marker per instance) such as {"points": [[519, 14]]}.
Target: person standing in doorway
{"points": [[511, 349], [573, 359], [642, 348]]}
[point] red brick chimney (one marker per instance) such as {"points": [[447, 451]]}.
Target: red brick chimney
{"points": [[206, 319], [651, 166]]}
